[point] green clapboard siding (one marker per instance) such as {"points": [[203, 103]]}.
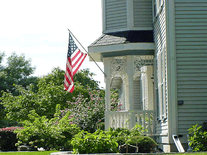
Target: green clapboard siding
{"points": [[191, 53], [116, 14], [122, 15], [142, 13], [137, 95]]}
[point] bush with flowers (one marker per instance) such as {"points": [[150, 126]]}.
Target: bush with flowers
{"points": [[87, 113], [115, 102], [8, 138]]}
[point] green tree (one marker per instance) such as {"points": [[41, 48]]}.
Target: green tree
{"points": [[16, 71], [85, 78], [1, 58], [50, 92]]}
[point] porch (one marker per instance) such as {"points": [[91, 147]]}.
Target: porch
{"points": [[128, 67], [130, 76]]}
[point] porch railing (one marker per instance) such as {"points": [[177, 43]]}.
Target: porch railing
{"points": [[128, 119]]}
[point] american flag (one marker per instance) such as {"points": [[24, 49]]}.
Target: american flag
{"points": [[74, 60]]}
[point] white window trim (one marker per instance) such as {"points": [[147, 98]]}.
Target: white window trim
{"points": [[161, 84], [165, 81], [157, 7]]}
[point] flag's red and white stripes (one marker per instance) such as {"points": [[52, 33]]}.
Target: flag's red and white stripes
{"points": [[77, 59], [73, 64], [69, 83]]}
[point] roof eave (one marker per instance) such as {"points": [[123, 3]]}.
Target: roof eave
{"points": [[97, 52]]}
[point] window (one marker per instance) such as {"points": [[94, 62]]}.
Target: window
{"points": [[161, 86]]}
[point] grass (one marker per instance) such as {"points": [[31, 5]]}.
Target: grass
{"points": [[195, 153], [28, 153], [48, 153]]}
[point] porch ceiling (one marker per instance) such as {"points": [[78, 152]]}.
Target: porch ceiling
{"points": [[121, 44]]}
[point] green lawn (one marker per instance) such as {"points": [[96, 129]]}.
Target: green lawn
{"points": [[48, 153], [196, 153], [28, 153]]}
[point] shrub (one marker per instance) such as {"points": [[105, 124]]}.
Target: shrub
{"points": [[108, 141], [97, 142], [144, 143], [8, 139], [40, 131], [119, 134], [87, 113], [198, 138], [204, 126], [133, 137], [123, 134]]}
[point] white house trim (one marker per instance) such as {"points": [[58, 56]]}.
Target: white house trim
{"points": [[95, 51], [172, 72]]}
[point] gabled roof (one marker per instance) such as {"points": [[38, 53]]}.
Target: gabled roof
{"points": [[122, 43], [108, 40], [124, 37]]}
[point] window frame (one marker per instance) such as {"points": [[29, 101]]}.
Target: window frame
{"points": [[160, 87], [157, 7]]}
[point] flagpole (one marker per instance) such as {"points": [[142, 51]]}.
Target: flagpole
{"points": [[87, 52]]}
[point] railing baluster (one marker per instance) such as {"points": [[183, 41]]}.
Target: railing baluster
{"points": [[112, 118], [123, 119], [149, 124], [144, 115]]}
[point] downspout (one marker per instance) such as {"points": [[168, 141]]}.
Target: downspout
{"points": [[178, 143]]}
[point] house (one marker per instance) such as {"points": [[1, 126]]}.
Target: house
{"points": [[155, 54]]}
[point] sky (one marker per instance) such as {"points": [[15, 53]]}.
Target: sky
{"points": [[39, 30]]}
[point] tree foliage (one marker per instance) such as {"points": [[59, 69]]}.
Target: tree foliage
{"points": [[16, 71], [85, 78], [22, 93], [1, 59], [87, 113], [49, 93]]}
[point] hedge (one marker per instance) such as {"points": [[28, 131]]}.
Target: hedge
{"points": [[8, 138]]}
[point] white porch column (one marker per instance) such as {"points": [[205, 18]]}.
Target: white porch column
{"points": [[129, 90], [107, 91], [124, 93], [129, 84], [150, 88]]}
